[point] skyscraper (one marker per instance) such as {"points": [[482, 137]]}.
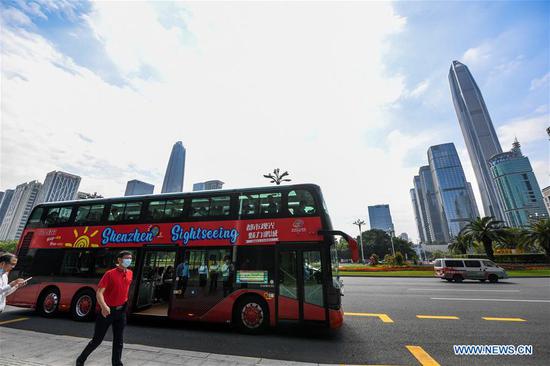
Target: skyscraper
{"points": [[420, 201], [545, 197], [517, 187], [18, 211], [136, 187], [479, 133], [436, 227], [58, 186], [417, 217], [456, 207], [4, 203], [208, 185], [380, 218], [173, 179]]}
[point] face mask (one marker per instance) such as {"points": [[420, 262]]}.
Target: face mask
{"points": [[126, 262]]}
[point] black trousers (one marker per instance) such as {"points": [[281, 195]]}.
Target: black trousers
{"points": [[117, 319]]}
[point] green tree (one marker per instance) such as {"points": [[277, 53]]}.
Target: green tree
{"points": [[485, 230], [379, 242], [539, 234], [399, 258], [8, 245], [461, 244], [516, 238]]}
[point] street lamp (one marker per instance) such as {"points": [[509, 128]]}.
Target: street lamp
{"points": [[391, 239], [360, 223]]}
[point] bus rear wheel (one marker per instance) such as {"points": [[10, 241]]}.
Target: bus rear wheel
{"points": [[83, 305], [48, 303], [251, 315]]}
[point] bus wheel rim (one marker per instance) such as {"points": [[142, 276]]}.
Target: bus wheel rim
{"points": [[50, 303], [252, 315], [83, 305]]}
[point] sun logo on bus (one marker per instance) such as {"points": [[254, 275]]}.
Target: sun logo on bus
{"points": [[83, 240]]}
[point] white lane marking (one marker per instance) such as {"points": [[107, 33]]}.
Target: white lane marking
{"points": [[467, 299], [457, 289]]}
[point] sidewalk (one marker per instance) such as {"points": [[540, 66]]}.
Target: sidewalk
{"points": [[28, 348]]}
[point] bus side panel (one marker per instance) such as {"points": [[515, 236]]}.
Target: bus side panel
{"points": [[28, 296], [313, 312], [223, 312]]}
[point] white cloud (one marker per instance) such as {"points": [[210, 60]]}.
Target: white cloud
{"points": [[477, 55], [420, 89], [248, 87], [540, 82], [526, 129]]}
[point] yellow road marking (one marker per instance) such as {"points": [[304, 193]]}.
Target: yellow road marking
{"points": [[384, 317], [505, 319], [437, 317], [13, 321], [422, 356]]}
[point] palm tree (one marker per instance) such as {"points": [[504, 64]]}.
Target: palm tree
{"points": [[484, 230], [539, 233], [276, 177], [461, 244], [515, 238]]}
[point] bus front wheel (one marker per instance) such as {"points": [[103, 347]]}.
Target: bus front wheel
{"points": [[83, 305], [251, 315], [48, 303]]}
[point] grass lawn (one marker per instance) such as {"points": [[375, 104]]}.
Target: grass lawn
{"points": [[512, 273]]}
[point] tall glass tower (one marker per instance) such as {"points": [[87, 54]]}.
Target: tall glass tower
{"points": [[517, 187], [173, 179], [436, 227], [453, 195], [479, 133], [380, 218]]}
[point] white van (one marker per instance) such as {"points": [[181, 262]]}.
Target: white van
{"points": [[456, 269]]}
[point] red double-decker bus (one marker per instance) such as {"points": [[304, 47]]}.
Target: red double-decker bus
{"points": [[251, 257]]}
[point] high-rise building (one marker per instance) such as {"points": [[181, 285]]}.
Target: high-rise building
{"points": [[87, 196], [419, 196], [455, 204], [479, 134], [18, 211], [545, 197], [136, 187], [517, 187], [58, 186], [173, 179], [436, 227], [473, 199], [208, 185], [380, 218], [404, 236], [417, 217], [4, 203]]}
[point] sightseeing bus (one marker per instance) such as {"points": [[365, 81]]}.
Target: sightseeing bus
{"points": [[254, 257]]}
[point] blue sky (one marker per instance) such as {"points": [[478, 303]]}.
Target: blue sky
{"points": [[341, 94]]}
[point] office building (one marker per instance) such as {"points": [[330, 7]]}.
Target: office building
{"points": [[136, 187], [58, 186], [380, 218], [22, 202], [517, 187], [208, 185], [4, 203], [173, 179], [479, 134], [404, 236], [424, 228], [417, 217], [436, 227], [454, 198], [545, 197]]}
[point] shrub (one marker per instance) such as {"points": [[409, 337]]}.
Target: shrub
{"points": [[398, 260], [374, 259], [389, 259]]}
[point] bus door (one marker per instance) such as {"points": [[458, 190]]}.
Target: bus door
{"points": [[201, 281], [155, 281], [300, 289]]}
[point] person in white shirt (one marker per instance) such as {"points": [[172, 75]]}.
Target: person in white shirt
{"points": [[7, 262]]}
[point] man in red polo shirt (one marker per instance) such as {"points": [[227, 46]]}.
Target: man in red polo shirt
{"points": [[112, 297]]}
